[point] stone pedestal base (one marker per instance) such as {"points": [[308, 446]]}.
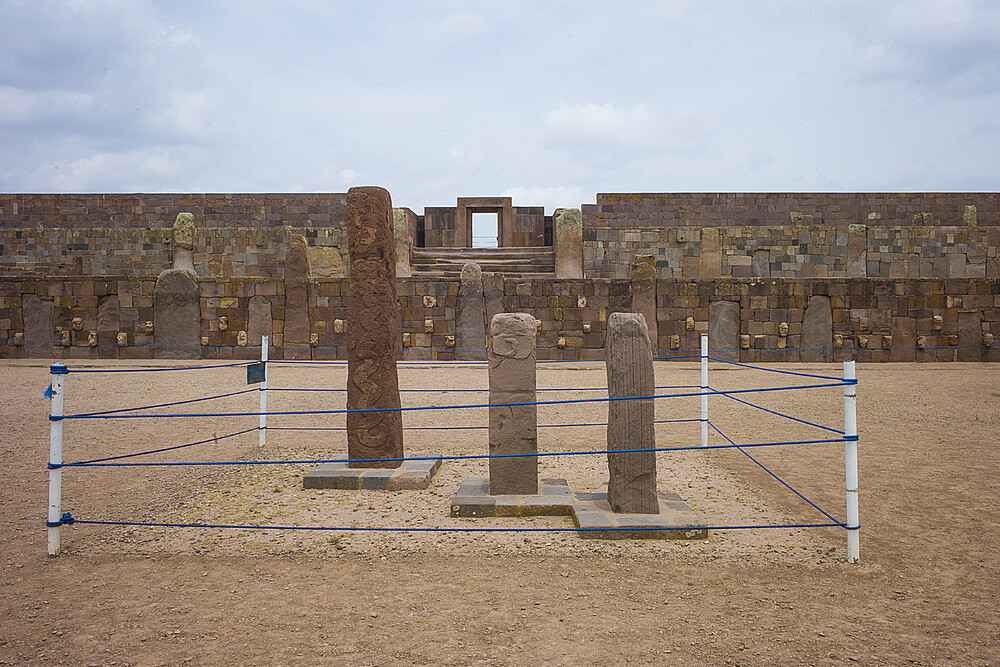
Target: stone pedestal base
{"points": [[411, 475], [590, 512]]}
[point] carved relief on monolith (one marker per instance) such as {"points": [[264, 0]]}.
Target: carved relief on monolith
{"points": [[297, 273], [372, 322], [632, 482], [513, 428], [176, 300]]}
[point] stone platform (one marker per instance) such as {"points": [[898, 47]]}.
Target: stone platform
{"points": [[590, 512], [411, 475], [473, 499]]}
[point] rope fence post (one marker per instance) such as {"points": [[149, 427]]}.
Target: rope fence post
{"points": [[851, 462], [263, 392], [704, 390], [58, 372]]}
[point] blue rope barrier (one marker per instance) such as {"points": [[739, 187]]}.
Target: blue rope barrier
{"points": [[453, 407], [464, 428], [443, 457], [70, 520], [166, 405], [775, 370], [779, 414], [460, 391], [150, 370], [764, 468], [158, 451]]}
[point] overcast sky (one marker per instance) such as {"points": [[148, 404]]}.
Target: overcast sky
{"points": [[549, 102]]}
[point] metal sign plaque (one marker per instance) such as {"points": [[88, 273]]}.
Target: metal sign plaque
{"points": [[255, 373]]}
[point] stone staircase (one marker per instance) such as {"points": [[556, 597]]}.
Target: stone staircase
{"points": [[536, 262]]}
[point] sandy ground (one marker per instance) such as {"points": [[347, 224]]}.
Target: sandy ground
{"points": [[925, 592]]}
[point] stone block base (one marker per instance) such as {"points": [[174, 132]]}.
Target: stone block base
{"points": [[676, 521], [590, 512], [411, 475], [473, 499]]}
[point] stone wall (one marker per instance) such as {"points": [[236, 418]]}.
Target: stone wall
{"points": [[872, 320], [781, 235]]}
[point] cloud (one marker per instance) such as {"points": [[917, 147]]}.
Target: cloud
{"points": [[81, 174], [22, 107]]}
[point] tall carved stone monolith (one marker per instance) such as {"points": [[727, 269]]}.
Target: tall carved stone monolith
{"points": [[724, 330], [176, 301], [297, 272], [372, 327], [817, 330], [629, 360], [470, 327], [39, 327], [513, 428], [642, 285]]}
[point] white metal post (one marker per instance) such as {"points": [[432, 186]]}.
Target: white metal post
{"points": [[851, 463], [704, 390], [263, 392], [58, 372]]}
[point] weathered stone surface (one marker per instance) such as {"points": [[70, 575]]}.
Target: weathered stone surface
{"points": [[970, 336], [904, 339], [513, 429], [857, 251], [259, 321], [401, 235], [297, 272], [632, 484], [372, 331], [326, 262], [724, 330], [710, 255], [470, 326], [183, 239], [39, 328], [108, 324], [567, 232], [969, 216], [177, 315], [760, 266], [642, 285], [817, 330], [493, 294]]}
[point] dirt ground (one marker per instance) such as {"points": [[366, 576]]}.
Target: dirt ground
{"points": [[926, 591]]}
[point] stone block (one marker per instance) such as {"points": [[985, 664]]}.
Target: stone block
{"points": [[724, 330], [513, 428], [177, 315]]}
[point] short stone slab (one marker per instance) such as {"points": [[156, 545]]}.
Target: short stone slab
{"points": [[411, 475], [676, 521], [473, 499]]}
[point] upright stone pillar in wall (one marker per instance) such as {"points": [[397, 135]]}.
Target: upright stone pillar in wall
{"points": [[629, 360], [401, 234], [108, 324], [817, 330], [39, 327], [724, 330], [970, 336], [296, 327], [492, 295], [710, 255], [904, 339], [183, 241], [470, 327], [372, 321], [513, 429], [857, 251], [567, 237], [259, 320], [176, 301], [760, 265], [642, 284]]}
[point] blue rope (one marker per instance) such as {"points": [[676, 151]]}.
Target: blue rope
{"points": [[779, 414], [762, 467], [165, 405], [460, 391], [462, 428], [431, 529], [444, 457], [775, 370], [149, 370], [52, 466], [456, 407]]}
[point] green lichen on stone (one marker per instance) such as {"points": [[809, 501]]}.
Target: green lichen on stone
{"points": [[183, 236], [969, 217]]}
